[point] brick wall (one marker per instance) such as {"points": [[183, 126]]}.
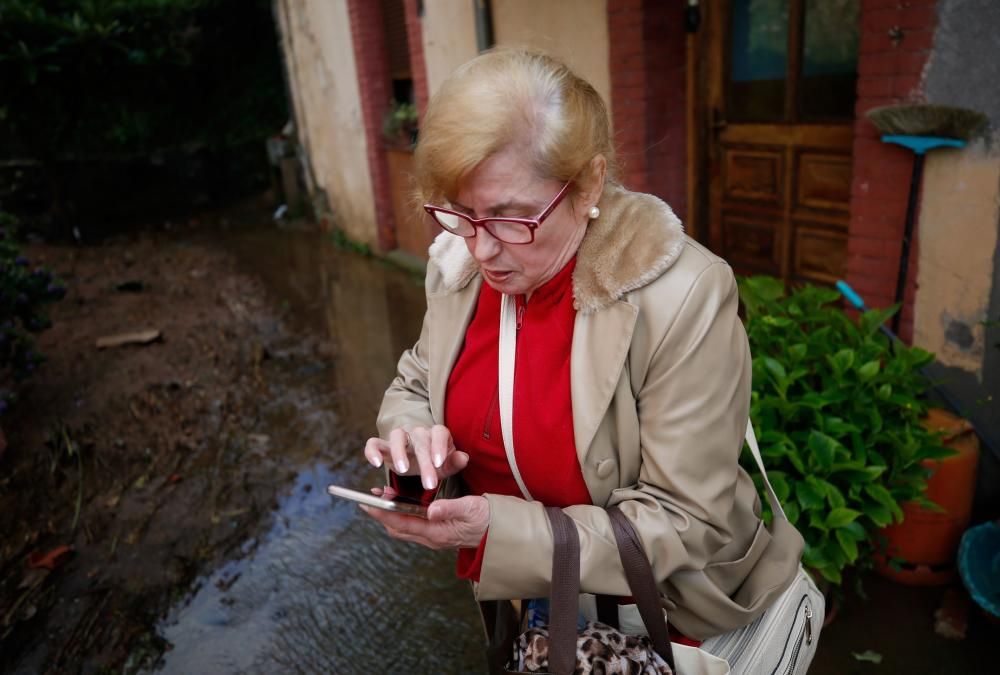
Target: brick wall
{"points": [[629, 93], [896, 39], [418, 69], [371, 57], [647, 61]]}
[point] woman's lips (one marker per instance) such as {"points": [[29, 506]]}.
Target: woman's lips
{"points": [[496, 275]]}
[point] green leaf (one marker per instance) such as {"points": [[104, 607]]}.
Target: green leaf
{"points": [[831, 574], [884, 392], [844, 359], [868, 655], [879, 514], [869, 370], [808, 496], [841, 517], [775, 368], [848, 545], [797, 352], [824, 448]]}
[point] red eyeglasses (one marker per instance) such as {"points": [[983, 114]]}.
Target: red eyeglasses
{"points": [[507, 230]]}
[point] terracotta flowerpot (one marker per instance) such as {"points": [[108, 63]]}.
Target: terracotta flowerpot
{"points": [[927, 541]]}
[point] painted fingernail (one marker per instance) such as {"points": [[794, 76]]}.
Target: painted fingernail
{"points": [[428, 482], [363, 508], [401, 466], [377, 462], [438, 460]]}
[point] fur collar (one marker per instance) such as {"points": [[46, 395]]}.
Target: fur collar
{"points": [[635, 239]]}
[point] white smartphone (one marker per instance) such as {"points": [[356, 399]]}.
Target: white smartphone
{"points": [[396, 503]]}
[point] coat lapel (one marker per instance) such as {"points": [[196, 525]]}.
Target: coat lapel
{"points": [[448, 317], [601, 342]]}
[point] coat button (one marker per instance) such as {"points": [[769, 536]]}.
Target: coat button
{"points": [[606, 467]]}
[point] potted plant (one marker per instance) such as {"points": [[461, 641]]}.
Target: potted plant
{"points": [[838, 409]]}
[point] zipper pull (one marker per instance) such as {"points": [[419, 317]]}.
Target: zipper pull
{"points": [[520, 316], [809, 626]]}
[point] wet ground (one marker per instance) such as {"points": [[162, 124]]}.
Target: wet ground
{"points": [[244, 564], [324, 589]]}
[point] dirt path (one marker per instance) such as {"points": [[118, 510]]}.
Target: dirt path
{"points": [[143, 460]]}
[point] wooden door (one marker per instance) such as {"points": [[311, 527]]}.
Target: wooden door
{"points": [[780, 106]]}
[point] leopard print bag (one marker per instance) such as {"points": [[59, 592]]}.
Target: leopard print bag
{"points": [[561, 649], [599, 649]]}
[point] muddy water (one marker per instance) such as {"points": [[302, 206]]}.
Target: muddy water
{"points": [[324, 589]]}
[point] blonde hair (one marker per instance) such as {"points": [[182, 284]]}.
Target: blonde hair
{"points": [[507, 98]]}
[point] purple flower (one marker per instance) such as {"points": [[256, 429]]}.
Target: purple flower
{"points": [[57, 291], [21, 261], [3, 406]]}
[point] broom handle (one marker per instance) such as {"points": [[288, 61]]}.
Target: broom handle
{"points": [[911, 212]]}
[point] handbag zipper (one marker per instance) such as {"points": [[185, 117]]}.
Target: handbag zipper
{"points": [[804, 632]]}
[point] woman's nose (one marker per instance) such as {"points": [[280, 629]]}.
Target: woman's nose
{"points": [[484, 246]]}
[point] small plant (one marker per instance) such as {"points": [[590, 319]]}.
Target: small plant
{"points": [[838, 409], [400, 123], [24, 292]]}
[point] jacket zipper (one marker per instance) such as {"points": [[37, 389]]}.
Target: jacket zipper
{"points": [[494, 404], [491, 413]]}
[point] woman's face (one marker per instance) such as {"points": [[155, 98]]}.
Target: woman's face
{"points": [[506, 185]]}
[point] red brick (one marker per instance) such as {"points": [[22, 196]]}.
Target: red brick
{"points": [[907, 86], [879, 20], [917, 40], [875, 86], [918, 18], [885, 63], [873, 43]]}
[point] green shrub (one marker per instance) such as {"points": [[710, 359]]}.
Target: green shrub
{"points": [[838, 411], [24, 292]]}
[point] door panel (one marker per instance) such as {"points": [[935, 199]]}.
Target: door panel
{"points": [[779, 179]]}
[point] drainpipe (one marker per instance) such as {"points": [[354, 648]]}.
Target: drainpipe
{"points": [[484, 24]]}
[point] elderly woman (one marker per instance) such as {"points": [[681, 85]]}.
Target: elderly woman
{"points": [[631, 369]]}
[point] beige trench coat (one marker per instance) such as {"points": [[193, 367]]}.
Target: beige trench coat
{"points": [[660, 386]]}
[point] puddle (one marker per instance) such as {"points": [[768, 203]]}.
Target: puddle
{"points": [[325, 589]]}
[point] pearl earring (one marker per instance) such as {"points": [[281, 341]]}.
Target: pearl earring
{"points": [[594, 212]]}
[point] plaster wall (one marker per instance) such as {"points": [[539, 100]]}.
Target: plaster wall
{"points": [[959, 254], [449, 38], [322, 76], [575, 31], [958, 238]]}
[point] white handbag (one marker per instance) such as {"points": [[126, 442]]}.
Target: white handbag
{"points": [[781, 641]]}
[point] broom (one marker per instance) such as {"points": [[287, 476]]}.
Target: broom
{"points": [[921, 127]]}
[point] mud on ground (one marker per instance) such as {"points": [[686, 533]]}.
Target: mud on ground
{"points": [[141, 459]]}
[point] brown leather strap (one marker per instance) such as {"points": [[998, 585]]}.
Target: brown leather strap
{"points": [[564, 601], [642, 582]]}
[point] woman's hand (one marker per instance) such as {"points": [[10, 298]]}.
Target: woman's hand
{"points": [[432, 447], [450, 523]]}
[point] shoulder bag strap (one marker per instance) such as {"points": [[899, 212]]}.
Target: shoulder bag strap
{"points": [[508, 345], [642, 583], [772, 498], [564, 598]]}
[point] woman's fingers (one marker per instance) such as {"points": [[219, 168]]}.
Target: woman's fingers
{"points": [[453, 463], [433, 449], [420, 439], [451, 523], [375, 451], [399, 442], [442, 445]]}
